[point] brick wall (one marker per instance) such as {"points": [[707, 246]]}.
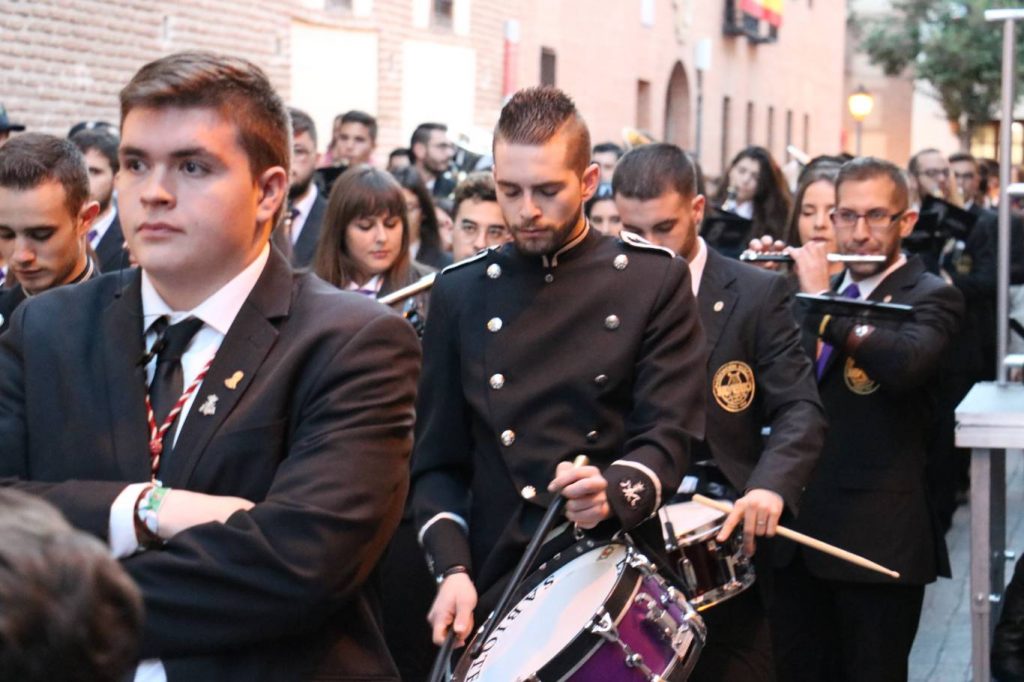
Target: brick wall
{"points": [[65, 60]]}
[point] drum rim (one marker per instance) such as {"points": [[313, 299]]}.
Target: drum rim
{"points": [[579, 649]]}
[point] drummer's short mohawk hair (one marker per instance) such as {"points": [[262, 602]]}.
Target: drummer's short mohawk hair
{"points": [[535, 115]]}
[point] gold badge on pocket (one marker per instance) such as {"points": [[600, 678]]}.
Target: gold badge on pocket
{"points": [[733, 386], [857, 380]]}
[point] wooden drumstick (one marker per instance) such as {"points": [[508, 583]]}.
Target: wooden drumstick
{"points": [[808, 541]]}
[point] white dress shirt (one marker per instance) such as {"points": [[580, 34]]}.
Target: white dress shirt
{"points": [[303, 206], [102, 224], [373, 284], [218, 313], [697, 265]]}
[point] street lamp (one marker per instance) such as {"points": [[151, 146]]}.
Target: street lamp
{"points": [[860, 104]]}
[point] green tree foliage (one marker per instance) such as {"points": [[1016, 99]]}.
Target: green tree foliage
{"points": [[949, 44]]}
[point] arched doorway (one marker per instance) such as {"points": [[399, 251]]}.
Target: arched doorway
{"points": [[677, 108]]}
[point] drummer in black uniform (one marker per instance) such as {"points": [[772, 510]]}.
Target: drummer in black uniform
{"points": [[562, 342], [759, 377]]}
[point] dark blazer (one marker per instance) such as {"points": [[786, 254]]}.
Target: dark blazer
{"points": [[111, 253], [529, 363], [317, 433], [868, 494], [305, 248], [758, 376], [10, 299], [444, 186]]}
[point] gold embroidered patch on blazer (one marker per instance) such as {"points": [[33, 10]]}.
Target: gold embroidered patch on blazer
{"points": [[857, 380], [733, 386]]}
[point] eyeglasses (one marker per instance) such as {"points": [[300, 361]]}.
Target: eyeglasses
{"points": [[936, 173], [876, 218], [969, 175]]}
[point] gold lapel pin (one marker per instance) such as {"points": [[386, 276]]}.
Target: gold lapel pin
{"points": [[233, 381]]}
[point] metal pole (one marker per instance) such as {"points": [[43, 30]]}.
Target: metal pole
{"points": [[1005, 164]]}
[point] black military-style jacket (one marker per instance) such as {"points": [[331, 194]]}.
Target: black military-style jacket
{"points": [[530, 361]]}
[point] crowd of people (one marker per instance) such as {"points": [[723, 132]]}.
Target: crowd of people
{"points": [[297, 482]]}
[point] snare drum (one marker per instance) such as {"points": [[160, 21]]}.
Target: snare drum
{"points": [[595, 612], [712, 571]]}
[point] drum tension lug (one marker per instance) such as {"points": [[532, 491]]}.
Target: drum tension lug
{"points": [[602, 626], [657, 616]]}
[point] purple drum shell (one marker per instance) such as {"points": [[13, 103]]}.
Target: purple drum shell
{"points": [[608, 662]]}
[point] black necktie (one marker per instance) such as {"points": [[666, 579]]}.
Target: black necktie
{"points": [[168, 379]]}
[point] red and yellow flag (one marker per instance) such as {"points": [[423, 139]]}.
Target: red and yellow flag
{"points": [[772, 12]]}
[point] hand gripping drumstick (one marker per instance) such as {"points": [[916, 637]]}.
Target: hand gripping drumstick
{"points": [[808, 541], [525, 564]]}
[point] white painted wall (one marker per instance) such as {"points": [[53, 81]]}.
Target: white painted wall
{"points": [[438, 84], [332, 71]]}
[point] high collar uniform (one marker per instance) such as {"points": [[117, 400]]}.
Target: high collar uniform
{"points": [[530, 361]]}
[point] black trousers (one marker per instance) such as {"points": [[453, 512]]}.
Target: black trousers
{"points": [[407, 591], [739, 645], [842, 631]]}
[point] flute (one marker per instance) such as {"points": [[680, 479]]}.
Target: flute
{"points": [[754, 257], [422, 284]]}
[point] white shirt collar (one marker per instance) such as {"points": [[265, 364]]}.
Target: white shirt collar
{"points": [[303, 206], [373, 284], [697, 264], [102, 224], [552, 261], [219, 310], [869, 284]]}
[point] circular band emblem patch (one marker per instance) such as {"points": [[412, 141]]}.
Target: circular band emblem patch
{"points": [[857, 380], [733, 386]]}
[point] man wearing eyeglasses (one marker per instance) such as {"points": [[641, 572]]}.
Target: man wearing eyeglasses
{"points": [[877, 380]]}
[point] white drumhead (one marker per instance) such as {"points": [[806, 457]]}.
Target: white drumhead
{"points": [[689, 516], [550, 617]]}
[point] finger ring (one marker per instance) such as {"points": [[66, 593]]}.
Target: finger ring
{"points": [[762, 523]]}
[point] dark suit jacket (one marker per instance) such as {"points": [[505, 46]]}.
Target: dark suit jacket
{"points": [[317, 433], [748, 320], [10, 299], [110, 252], [305, 248], [868, 494], [444, 185]]}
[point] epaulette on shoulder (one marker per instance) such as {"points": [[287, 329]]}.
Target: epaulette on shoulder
{"points": [[638, 242], [466, 261]]}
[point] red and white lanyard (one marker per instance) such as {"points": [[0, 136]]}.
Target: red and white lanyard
{"points": [[156, 434]]}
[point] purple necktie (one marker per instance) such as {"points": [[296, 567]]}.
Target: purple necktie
{"points": [[90, 236], [851, 291]]}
